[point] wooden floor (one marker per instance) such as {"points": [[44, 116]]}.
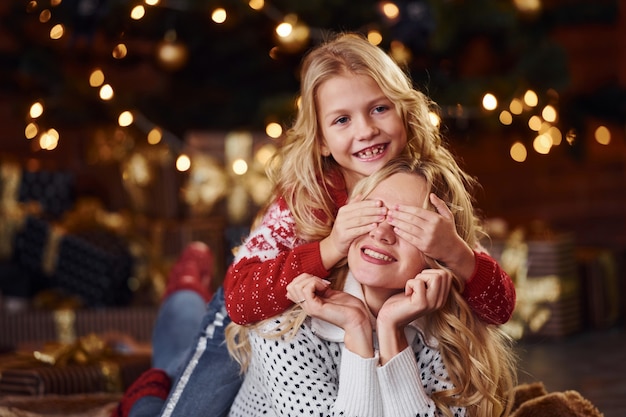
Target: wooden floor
{"points": [[592, 363]]}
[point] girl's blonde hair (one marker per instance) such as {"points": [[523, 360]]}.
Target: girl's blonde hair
{"points": [[478, 357], [299, 171]]}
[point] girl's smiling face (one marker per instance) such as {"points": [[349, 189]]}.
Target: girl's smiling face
{"points": [[360, 126], [381, 259]]}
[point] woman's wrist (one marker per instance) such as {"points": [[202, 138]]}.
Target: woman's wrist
{"points": [[391, 341], [358, 340]]}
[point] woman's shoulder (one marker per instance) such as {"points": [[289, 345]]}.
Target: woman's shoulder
{"points": [[425, 347], [276, 335]]}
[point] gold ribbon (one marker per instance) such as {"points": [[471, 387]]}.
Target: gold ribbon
{"points": [[88, 350]]}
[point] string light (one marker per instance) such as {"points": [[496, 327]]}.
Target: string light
{"points": [[292, 36], [530, 98], [49, 140], [106, 92], [556, 135], [534, 123], [240, 166], [506, 118], [125, 119], [516, 106], [31, 130], [284, 29], [120, 51], [57, 32], [518, 152], [549, 114], [542, 144], [183, 163], [36, 110], [274, 130], [374, 37], [490, 102], [219, 15], [155, 135], [45, 16], [602, 135], [138, 12], [435, 120], [264, 153], [256, 4], [390, 10], [96, 79]]}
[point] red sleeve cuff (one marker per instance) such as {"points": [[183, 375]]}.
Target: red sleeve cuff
{"points": [[481, 276], [311, 259]]}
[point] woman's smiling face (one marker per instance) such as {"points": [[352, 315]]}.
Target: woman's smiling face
{"points": [[380, 259]]}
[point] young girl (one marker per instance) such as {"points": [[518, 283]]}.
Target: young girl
{"points": [[377, 349], [358, 110]]}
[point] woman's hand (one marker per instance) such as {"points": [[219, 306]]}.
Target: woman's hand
{"points": [[316, 297], [434, 233], [425, 293], [354, 219]]}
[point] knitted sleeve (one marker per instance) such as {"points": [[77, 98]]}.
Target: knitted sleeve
{"points": [[490, 291], [255, 286], [359, 392], [408, 381]]}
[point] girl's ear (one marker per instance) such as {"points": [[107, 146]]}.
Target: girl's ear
{"points": [[324, 150]]}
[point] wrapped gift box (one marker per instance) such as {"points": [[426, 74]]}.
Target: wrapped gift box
{"points": [[27, 376], [54, 190], [95, 265], [547, 283], [40, 326]]}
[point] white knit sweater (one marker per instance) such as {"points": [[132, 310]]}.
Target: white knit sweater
{"points": [[313, 374]]}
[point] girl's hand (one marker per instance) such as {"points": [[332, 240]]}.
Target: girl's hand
{"points": [[434, 233], [354, 219], [318, 300]]}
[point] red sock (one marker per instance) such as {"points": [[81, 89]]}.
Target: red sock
{"points": [[154, 382], [192, 271]]}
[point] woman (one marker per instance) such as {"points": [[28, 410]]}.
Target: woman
{"points": [[376, 348]]}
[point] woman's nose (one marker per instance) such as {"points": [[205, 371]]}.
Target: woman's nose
{"points": [[384, 233]]}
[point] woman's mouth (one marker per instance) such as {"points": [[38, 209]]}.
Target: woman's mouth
{"points": [[377, 255]]}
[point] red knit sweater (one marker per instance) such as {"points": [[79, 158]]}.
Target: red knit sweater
{"points": [[255, 285]]}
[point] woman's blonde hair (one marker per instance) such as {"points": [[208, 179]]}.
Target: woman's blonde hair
{"points": [[478, 357], [299, 171]]}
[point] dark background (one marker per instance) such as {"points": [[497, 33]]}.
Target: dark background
{"points": [[572, 53]]}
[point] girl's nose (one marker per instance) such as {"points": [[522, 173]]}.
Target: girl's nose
{"points": [[384, 233], [365, 129]]}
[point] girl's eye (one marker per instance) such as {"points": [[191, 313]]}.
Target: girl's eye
{"points": [[380, 109], [341, 120]]}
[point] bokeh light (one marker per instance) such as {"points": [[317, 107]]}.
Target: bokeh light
{"points": [[518, 152]]}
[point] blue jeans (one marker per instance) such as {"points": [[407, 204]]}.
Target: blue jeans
{"points": [[205, 378]]}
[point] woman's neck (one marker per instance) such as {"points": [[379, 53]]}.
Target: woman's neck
{"points": [[376, 297]]}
